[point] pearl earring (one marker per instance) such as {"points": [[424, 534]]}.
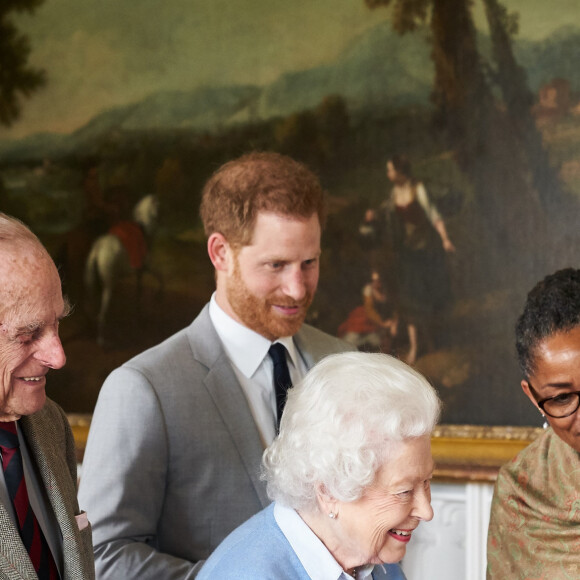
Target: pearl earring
{"points": [[332, 515]]}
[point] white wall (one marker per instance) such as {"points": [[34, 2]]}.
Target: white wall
{"points": [[452, 546]]}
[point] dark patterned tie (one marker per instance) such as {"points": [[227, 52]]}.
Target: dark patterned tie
{"points": [[30, 532], [282, 381]]}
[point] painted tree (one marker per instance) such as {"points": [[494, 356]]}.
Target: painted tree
{"points": [[478, 129], [317, 135], [518, 98], [18, 80]]}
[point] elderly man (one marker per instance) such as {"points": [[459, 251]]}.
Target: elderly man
{"points": [[173, 458], [43, 534]]}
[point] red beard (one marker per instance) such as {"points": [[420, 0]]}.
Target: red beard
{"points": [[259, 315]]}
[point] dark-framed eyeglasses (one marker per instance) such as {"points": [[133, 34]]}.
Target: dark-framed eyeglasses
{"points": [[558, 406]]}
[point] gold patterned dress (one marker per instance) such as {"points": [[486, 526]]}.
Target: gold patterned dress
{"points": [[534, 531]]}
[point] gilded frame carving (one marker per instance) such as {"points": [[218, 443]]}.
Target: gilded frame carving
{"points": [[475, 452], [461, 452]]}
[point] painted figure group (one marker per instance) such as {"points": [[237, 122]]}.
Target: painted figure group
{"points": [[251, 445]]}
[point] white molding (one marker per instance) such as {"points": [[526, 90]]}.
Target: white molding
{"points": [[452, 545]]}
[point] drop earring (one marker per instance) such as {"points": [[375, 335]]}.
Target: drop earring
{"points": [[545, 425]]}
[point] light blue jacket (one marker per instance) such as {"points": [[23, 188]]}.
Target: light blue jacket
{"points": [[258, 550]]}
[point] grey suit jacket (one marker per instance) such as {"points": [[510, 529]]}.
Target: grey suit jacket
{"points": [[173, 457], [51, 445]]}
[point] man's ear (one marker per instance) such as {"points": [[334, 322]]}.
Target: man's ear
{"points": [[218, 251], [526, 388]]}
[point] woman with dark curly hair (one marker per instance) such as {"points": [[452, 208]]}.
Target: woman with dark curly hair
{"points": [[534, 529]]}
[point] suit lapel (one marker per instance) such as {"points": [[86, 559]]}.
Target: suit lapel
{"points": [[310, 351], [13, 553], [14, 560], [232, 405], [48, 452], [51, 466], [224, 388]]}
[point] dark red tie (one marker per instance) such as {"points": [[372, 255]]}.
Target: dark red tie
{"points": [[30, 532]]}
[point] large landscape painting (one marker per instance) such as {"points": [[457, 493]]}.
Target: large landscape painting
{"points": [[132, 103]]}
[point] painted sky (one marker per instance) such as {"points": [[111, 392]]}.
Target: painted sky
{"points": [[103, 53]]}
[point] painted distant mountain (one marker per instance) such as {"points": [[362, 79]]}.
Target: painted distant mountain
{"points": [[555, 57], [380, 68], [206, 108]]}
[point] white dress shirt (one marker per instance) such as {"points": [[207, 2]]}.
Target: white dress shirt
{"points": [[312, 553], [248, 353]]}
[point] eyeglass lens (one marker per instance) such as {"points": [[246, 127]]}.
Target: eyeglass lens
{"points": [[562, 405]]}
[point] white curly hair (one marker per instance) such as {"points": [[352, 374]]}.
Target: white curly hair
{"points": [[339, 424]]}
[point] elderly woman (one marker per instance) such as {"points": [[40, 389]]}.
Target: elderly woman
{"points": [[535, 520], [349, 474]]}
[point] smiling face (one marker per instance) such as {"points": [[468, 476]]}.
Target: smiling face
{"points": [[377, 527], [557, 371], [31, 307], [269, 284]]}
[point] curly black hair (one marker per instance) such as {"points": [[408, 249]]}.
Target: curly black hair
{"points": [[552, 306]]}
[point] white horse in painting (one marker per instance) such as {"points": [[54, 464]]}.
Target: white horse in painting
{"points": [[109, 261]]}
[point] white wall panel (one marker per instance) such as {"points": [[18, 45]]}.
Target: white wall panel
{"points": [[452, 545]]}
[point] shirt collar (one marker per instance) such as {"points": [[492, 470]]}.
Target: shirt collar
{"points": [[312, 553], [244, 347], [365, 572]]}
